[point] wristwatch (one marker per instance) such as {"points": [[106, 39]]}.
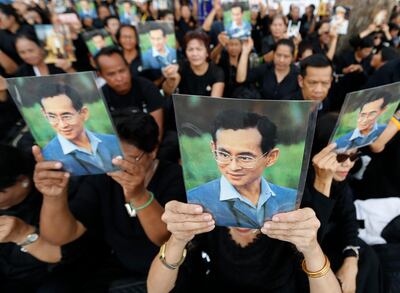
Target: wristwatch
{"points": [[351, 251], [31, 238]]}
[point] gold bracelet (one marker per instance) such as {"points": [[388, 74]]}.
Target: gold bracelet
{"points": [[318, 274], [173, 266], [396, 122]]}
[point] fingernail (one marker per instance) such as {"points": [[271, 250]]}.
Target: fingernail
{"points": [[58, 165], [198, 210], [211, 223], [118, 157], [275, 219], [207, 218], [267, 226]]}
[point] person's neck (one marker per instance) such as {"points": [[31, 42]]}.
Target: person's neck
{"points": [[130, 55], [234, 60], [162, 51], [43, 68], [200, 69], [243, 238], [251, 191], [358, 57], [83, 141], [366, 131], [14, 27], [281, 73]]}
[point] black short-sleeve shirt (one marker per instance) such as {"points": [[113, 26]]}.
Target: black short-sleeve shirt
{"points": [[193, 84], [264, 76], [99, 205], [144, 96]]}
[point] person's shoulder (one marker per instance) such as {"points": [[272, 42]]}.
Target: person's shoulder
{"points": [[53, 144], [199, 192], [283, 190]]}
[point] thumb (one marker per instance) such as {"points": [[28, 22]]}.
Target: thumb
{"points": [[37, 153]]}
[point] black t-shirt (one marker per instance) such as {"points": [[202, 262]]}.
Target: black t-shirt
{"points": [[9, 117], [27, 70], [144, 96], [264, 76], [267, 44], [193, 84], [388, 73], [99, 205]]}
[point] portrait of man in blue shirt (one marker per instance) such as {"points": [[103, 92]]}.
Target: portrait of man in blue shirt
{"points": [[159, 55], [243, 145], [368, 130], [239, 28], [81, 151]]}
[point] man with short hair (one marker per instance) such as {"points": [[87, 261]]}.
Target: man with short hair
{"points": [[239, 28], [368, 129], [159, 55], [81, 151], [243, 148], [122, 90]]}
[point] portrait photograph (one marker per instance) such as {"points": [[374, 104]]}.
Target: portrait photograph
{"points": [[244, 160], [301, 4], [293, 29], [157, 44], [127, 12], [69, 120], [163, 5], [340, 19], [96, 40], [57, 42], [364, 116], [86, 9], [237, 24]]}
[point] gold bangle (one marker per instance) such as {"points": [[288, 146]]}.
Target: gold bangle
{"points": [[396, 122], [318, 274], [173, 266]]}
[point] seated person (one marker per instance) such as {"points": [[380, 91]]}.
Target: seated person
{"points": [[243, 148], [124, 208], [28, 262], [245, 260], [368, 129]]}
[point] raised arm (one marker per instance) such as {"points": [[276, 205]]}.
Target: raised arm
{"points": [[172, 79], [390, 131], [57, 224], [241, 73]]}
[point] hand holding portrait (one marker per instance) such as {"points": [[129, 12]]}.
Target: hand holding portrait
{"points": [[131, 177], [298, 227], [49, 179], [185, 220], [325, 163], [247, 45], [170, 71]]}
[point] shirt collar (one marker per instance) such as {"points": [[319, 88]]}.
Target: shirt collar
{"points": [[68, 147], [156, 53], [357, 133], [228, 192]]}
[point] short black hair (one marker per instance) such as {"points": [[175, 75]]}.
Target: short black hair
{"points": [[304, 46], [28, 36], [361, 43], [9, 10], [237, 5], [137, 128], [164, 13], [372, 96], [13, 163], [155, 26], [108, 51], [57, 89], [389, 53], [286, 42], [105, 22], [235, 119], [316, 60]]}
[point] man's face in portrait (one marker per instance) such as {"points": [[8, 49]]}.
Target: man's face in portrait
{"points": [[239, 156], [99, 41], [85, 5], [63, 117], [157, 39], [127, 7], [237, 15], [369, 114]]}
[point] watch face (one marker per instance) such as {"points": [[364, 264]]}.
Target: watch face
{"points": [[32, 237]]}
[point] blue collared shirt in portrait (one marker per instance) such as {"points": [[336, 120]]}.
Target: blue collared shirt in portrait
{"points": [[356, 139], [83, 154], [230, 208], [239, 32], [153, 59]]}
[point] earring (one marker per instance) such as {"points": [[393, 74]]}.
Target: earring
{"points": [[25, 183]]}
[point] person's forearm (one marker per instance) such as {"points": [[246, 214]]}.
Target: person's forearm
{"points": [[150, 219], [160, 278], [170, 85], [390, 131], [328, 283], [158, 116], [57, 224], [44, 251], [216, 53], [209, 20], [217, 89], [323, 185], [7, 63], [332, 48], [241, 73]]}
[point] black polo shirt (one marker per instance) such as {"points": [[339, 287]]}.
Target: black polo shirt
{"points": [[144, 96], [264, 76]]}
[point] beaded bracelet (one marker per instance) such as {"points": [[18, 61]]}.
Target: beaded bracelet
{"points": [[318, 274]]}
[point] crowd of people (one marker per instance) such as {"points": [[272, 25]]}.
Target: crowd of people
{"points": [[132, 230]]}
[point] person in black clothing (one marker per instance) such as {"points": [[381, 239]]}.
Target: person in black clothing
{"points": [[353, 261], [33, 55], [276, 80], [126, 91], [244, 259], [388, 73], [127, 38], [197, 76], [28, 262], [124, 207], [278, 27]]}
